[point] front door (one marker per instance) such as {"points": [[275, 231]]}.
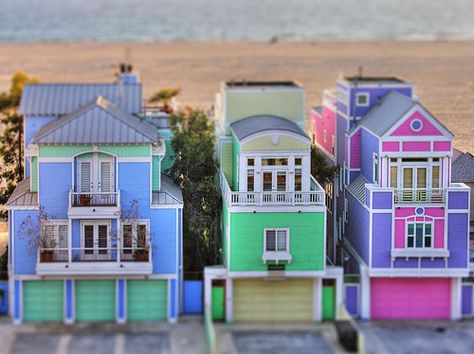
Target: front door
{"points": [[96, 178], [96, 241]]}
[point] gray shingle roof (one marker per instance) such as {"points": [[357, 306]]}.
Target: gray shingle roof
{"points": [[60, 99], [384, 115], [22, 196], [168, 191], [259, 123], [357, 188], [318, 109], [462, 169], [98, 122]]}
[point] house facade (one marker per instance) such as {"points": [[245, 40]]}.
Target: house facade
{"points": [[95, 228], [273, 213], [403, 222]]}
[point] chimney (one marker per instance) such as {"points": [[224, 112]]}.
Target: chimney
{"points": [[126, 74]]}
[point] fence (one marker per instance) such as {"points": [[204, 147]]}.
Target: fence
{"points": [[3, 297], [193, 297]]}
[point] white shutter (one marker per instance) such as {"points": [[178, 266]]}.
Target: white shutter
{"points": [[62, 236], [105, 177], [85, 176]]}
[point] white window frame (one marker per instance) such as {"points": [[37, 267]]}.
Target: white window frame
{"points": [[56, 224], [362, 94], [346, 210], [276, 255], [135, 225], [375, 173], [424, 223]]}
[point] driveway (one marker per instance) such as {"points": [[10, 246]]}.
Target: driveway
{"points": [[399, 337]]}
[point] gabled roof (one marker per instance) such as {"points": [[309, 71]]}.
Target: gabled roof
{"points": [[260, 123], [384, 115], [22, 196], [462, 169], [97, 122], [60, 99]]}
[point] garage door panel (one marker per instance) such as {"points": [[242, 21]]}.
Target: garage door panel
{"points": [[95, 300], [147, 300], [273, 301], [43, 301], [410, 298]]}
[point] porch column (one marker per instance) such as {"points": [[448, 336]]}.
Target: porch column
{"points": [[339, 296], [119, 243], [456, 293], [229, 310], [121, 316], [364, 293], [317, 299], [69, 301], [69, 251]]}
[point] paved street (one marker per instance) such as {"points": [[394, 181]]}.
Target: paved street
{"points": [[419, 337]]}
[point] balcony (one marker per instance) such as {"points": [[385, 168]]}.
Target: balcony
{"points": [[93, 204], [55, 261], [419, 196], [315, 197]]}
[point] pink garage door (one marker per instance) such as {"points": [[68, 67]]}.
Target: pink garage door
{"points": [[410, 298]]}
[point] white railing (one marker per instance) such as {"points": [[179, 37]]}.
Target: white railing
{"points": [[315, 196], [83, 199], [94, 254], [419, 196]]}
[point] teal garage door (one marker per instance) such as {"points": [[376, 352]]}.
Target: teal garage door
{"points": [[43, 301], [95, 300], [147, 300]]}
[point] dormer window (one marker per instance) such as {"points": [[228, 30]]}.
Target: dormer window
{"points": [[362, 99]]}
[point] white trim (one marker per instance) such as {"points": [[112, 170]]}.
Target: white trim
{"points": [[456, 299], [418, 272], [133, 159], [96, 276], [304, 139], [361, 94], [229, 301], [55, 160], [277, 209], [317, 299]]}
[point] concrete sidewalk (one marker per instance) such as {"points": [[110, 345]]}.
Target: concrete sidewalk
{"points": [[187, 337]]}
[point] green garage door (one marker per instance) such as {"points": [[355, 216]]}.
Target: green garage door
{"points": [[273, 301], [95, 300], [43, 301], [147, 300]]}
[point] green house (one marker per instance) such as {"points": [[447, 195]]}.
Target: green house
{"points": [[273, 213]]}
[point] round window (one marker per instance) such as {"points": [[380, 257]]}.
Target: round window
{"points": [[416, 125]]}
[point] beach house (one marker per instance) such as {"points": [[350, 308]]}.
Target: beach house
{"points": [[95, 227], [403, 222], [273, 211]]}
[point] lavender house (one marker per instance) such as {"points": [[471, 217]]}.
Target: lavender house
{"points": [[404, 224]]}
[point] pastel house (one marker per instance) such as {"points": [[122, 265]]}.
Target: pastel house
{"points": [[273, 211], [403, 223], [108, 221]]}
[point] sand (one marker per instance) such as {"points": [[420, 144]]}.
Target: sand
{"points": [[442, 71]]}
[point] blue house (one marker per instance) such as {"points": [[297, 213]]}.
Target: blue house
{"points": [[95, 228]]}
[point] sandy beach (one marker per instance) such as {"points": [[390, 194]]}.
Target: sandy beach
{"points": [[443, 71]]}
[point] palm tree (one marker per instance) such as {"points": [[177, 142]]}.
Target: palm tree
{"points": [[165, 95]]}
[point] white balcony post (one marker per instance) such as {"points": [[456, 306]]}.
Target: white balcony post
{"points": [[119, 244]]}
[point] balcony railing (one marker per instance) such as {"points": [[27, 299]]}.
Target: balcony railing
{"points": [[314, 197], [74, 255], [80, 199], [419, 196]]}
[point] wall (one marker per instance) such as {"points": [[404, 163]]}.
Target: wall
{"points": [[357, 227], [327, 121], [24, 262], [306, 239], [369, 145]]}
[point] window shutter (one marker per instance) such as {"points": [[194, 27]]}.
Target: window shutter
{"points": [[105, 177], [85, 177], [62, 236]]}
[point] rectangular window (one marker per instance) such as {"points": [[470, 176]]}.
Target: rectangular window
{"points": [[55, 234], [376, 168], [134, 236], [298, 161], [393, 176], [250, 180], [276, 240], [419, 235], [362, 99], [329, 196], [127, 242], [435, 177], [298, 180], [251, 162], [275, 162]]}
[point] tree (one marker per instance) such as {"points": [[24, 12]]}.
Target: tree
{"points": [[194, 170], [4, 264], [165, 95], [320, 169], [11, 138]]}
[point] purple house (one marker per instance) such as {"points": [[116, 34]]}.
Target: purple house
{"points": [[403, 223]]}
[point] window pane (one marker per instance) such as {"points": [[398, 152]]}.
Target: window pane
{"points": [[250, 181], [421, 178], [281, 181], [88, 238], [435, 177], [410, 242], [127, 239], [63, 236], [281, 241], [428, 242], [270, 241], [411, 229], [419, 235], [298, 161], [267, 181], [393, 176], [298, 179], [407, 178], [427, 229], [141, 236], [250, 162]]}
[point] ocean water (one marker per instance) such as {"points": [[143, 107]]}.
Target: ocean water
{"points": [[258, 20]]}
